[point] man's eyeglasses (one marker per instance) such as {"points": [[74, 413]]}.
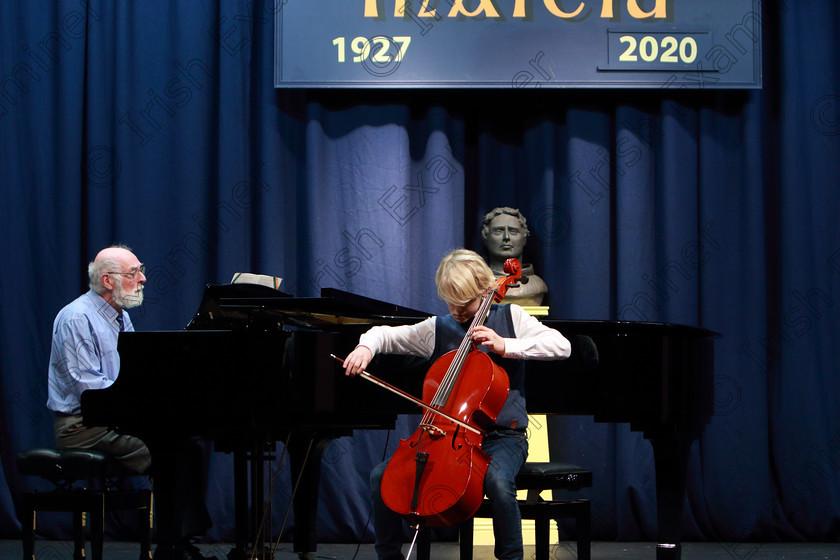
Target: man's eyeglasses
{"points": [[133, 272]]}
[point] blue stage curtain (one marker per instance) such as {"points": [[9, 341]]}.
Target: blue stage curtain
{"points": [[156, 124]]}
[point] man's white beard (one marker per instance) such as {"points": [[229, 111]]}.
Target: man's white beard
{"points": [[128, 301]]}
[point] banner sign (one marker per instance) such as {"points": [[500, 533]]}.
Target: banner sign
{"points": [[694, 44]]}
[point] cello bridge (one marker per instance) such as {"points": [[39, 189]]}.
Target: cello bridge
{"points": [[433, 431]]}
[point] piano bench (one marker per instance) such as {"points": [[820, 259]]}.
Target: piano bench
{"points": [[63, 468], [536, 477]]}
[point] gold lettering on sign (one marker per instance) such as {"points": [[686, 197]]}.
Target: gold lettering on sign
{"points": [[555, 10], [520, 8], [425, 12], [458, 7], [371, 10], [660, 9]]}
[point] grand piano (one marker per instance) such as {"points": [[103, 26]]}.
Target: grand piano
{"points": [[251, 368], [657, 377], [254, 366]]}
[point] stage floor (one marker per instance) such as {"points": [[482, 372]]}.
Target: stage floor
{"points": [[60, 550]]}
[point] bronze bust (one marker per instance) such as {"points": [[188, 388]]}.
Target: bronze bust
{"points": [[504, 232]]}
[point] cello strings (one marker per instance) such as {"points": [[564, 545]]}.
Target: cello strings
{"points": [[442, 395], [448, 382]]}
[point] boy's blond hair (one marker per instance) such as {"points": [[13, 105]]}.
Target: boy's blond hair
{"points": [[461, 276]]}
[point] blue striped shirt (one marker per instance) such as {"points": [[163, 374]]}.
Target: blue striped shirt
{"points": [[84, 351]]}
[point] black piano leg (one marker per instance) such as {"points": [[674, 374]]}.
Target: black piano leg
{"points": [[305, 457], [240, 506], [260, 524], [249, 513], [671, 458], [177, 476]]}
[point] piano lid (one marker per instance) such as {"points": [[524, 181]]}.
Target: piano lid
{"points": [[240, 305], [212, 314], [627, 328]]}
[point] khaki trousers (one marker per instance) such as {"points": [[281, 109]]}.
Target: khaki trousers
{"points": [[70, 433]]}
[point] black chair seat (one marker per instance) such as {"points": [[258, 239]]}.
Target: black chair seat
{"points": [[70, 465], [64, 468], [553, 476], [536, 477]]}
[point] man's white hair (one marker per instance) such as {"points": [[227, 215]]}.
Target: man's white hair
{"points": [[96, 269]]}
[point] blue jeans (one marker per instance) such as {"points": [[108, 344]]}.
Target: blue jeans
{"points": [[508, 449]]}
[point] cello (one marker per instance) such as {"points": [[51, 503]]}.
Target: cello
{"points": [[435, 478]]}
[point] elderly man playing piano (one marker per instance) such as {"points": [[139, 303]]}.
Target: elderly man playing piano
{"points": [[84, 354], [84, 357]]}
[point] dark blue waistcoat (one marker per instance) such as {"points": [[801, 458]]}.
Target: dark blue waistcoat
{"points": [[448, 336]]}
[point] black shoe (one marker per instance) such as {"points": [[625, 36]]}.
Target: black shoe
{"points": [[192, 552], [168, 552], [180, 552]]}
